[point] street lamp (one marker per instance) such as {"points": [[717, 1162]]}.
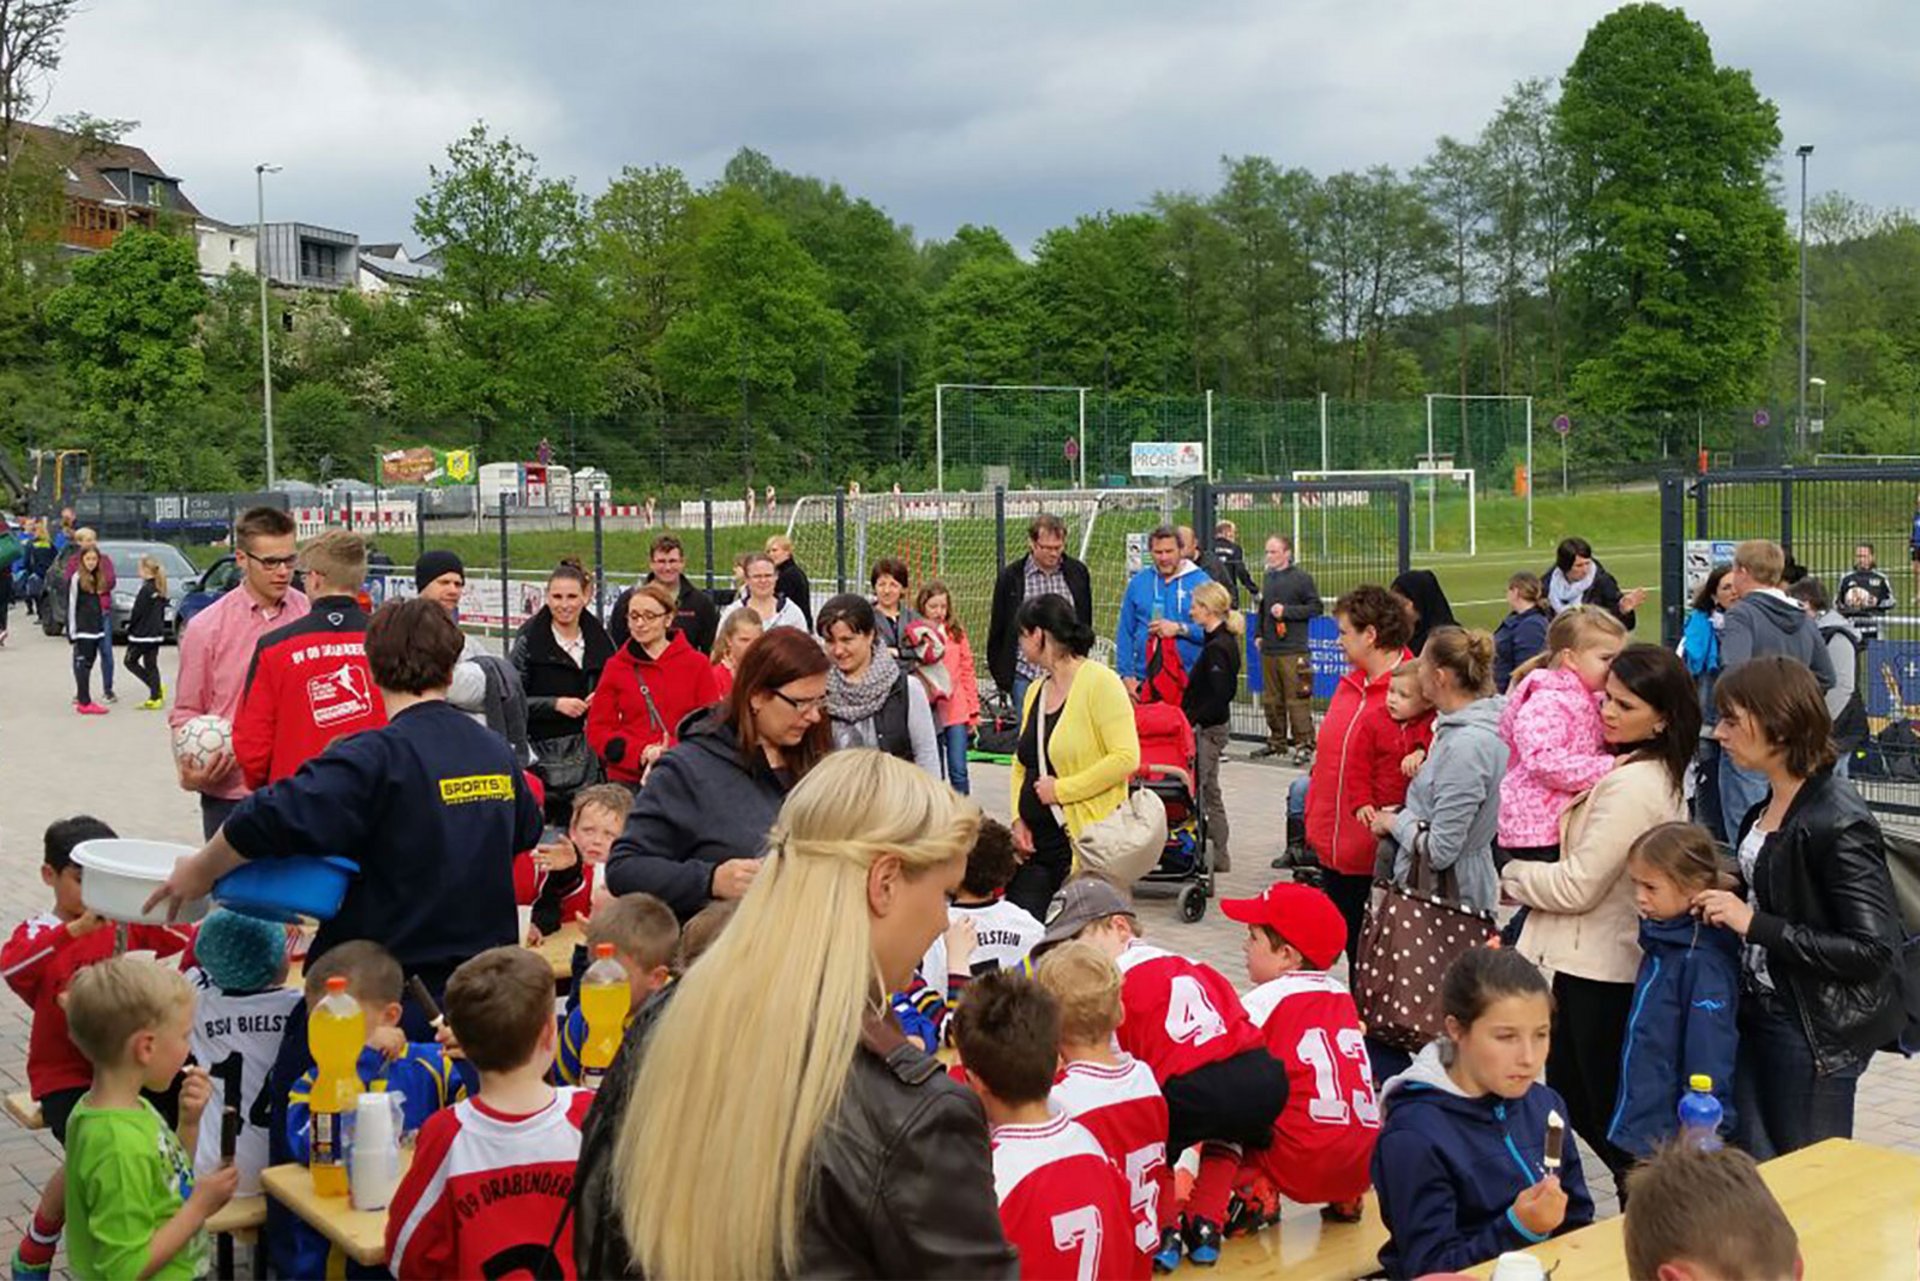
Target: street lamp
{"points": [[260, 173], [1820, 419], [1803, 152]]}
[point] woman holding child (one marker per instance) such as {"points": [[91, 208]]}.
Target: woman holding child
{"points": [[840, 1150]]}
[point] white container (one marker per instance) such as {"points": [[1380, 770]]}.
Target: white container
{"points": [[373, 1151], [120, 875], [1516, 1265], [524, 911]]}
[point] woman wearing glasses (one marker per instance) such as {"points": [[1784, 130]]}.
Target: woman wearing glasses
{"points": [[647, 688], [761, 595], [698, 830]]}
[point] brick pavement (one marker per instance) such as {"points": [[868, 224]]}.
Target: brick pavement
{"points": [[117, 767]]}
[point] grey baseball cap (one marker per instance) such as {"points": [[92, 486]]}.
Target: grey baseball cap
{"points": [[1080, 903]]}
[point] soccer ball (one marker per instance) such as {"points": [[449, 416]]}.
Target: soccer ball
{"points": [[1859, 598], [201, 739]]}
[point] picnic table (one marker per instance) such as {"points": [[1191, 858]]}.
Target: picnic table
{"points": [[360, 1234]]}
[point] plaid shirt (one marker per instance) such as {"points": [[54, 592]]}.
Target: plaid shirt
{"points": [[1041, 582]]}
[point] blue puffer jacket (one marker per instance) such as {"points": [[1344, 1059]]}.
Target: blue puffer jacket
{"points": [[1683, 1022], [1448, 1167]]}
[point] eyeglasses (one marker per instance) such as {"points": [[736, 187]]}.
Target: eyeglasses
{"points": [[802, 705], [651, 616], [273, 562]]}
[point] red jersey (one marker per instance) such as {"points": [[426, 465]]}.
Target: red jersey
{"points": [[308, 685], [1122, 1108], [1063, 1204], [529, 883], [1323, 1140], [39, 961], [1180, 1014], [486, 1191]]}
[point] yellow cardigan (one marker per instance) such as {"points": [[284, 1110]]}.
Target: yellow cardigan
{"points": [[1095, 746]]}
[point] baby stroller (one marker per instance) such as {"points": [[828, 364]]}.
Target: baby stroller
{"points": [[1168, 769]]}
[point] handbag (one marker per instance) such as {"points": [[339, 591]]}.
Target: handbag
{"points": [[566, 764], [1126, 844], [1412, 934]]}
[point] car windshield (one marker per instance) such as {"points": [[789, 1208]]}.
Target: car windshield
{"points": [[126, 561]]}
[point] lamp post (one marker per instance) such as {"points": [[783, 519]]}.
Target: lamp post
{"points": [[1803, 152], [260, 173], [1820, 414]]}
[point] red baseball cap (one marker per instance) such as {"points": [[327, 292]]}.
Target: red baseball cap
{"points": [[1300, 914]]}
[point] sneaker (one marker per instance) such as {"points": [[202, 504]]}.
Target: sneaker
{"points": [[112, 697], [90, 709], [1344, 1211], [153, 704], [1303, 756], [1261, 753], [1252, 1207], [1203, 1242], [1167, 1257]]}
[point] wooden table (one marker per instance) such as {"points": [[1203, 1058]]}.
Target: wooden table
{"points": [[239, 1219], [557, 948], [1855, 1206], [360, 1234], [1305, 1247]]}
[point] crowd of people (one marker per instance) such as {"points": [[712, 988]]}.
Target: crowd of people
{"points": [[1685, 881]]}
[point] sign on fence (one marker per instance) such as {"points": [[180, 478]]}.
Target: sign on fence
{"points": [[1701, 555], [1169, 459], [1323, 647]]}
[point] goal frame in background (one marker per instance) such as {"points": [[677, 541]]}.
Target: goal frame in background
{"points": [[940, 391], [1413, 474], [1432, 453]]}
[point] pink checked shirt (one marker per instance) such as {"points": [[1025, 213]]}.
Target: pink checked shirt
{"points": [[216, 651]]}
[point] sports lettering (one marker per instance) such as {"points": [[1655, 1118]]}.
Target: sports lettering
{"points": [[510, 1184], [328, 649], [245, 1024], [476, 787]]}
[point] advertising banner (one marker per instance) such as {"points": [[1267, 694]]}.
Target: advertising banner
{"points": [[425, 465]]}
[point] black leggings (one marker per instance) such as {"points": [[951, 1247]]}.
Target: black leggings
{"points": [[85, 652], [143, 660], [1040, 877], [1583, 1062], [1350, 895]]}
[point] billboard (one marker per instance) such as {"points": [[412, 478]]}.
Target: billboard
{"points": [[425, 465], [1169, 459]]}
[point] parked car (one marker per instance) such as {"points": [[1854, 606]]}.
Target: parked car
{"points": [[126, 568], [222, 577]]}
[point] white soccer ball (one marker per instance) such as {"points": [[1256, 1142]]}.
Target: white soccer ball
{"points": [[201, 739], [1859, 598]]}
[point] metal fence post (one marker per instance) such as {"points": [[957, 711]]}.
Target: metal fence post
{"points": [[1673, 519], [1403, 524], [420, 523], [599, 562], [840, 540], [1701, 489], [1786, 510], [505, 584], [999, 529], [706, 505], [349, 511]]}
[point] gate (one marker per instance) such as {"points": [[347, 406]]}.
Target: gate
{"points": [[1818, 516], [1345, 531]]}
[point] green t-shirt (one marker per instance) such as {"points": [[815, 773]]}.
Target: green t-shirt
{"points": [[126, 1176]]}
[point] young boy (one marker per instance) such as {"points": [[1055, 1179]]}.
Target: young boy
{"points": [[1063, 1203], [238, 1021], [644, 933], [561, 881], [40, 961], [490, 1175], [1707, 1216], [134, 1207], [421, 1072], [1111, 1093], [985, 933], [1184, 1020], [1323, 1141]]}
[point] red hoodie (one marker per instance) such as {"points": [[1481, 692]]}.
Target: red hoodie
{"points": [[1342, 771], [641, 701]]}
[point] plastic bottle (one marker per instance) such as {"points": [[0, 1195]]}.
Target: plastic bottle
{"points": [[1700, 1114], [336, 1033], [1159, 610], [605, 998]]}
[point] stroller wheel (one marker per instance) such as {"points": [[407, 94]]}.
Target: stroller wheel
{"points": [[1193, 903]]}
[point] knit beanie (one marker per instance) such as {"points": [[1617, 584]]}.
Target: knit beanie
{"points": [[434, 564], [241, 953]]}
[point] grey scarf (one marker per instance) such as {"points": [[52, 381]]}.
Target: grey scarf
{"points": [[1565, 595], [853, 703]]}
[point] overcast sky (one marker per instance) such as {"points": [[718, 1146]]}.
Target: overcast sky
{"points": [[1018, 113]]}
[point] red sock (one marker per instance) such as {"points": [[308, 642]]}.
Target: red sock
{"points": [[1219, 1166], [42, 1239]]}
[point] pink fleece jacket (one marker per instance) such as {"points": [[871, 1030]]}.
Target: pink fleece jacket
{"points": [[1559, 750]]}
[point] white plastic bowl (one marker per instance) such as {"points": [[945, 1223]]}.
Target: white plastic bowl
{"points": [[121, 875]]}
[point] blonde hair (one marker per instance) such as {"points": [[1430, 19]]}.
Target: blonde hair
{"points": [[640, 927], [1087, 985], [1465, 653], [1763, 559], [733, 622], [1217, 600], [1581, 627], [153, 569], [754, 1118], [113, 999], [339, 556]]}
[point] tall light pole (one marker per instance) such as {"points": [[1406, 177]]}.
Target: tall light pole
{"points": [[1803, 152], [260, 173]]}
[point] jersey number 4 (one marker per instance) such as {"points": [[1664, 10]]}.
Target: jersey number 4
{"points": [[227, 1072], [1329, 1104], [1191, 1018]]}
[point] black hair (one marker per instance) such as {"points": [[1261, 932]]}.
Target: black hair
{"points": [[1570, 550], [855, 611], [1482, 975], [65, 833], [1812, 593], [569, 569], [1054, 616], [1007, 1029], [993, 860], [1703, 600], [1655, 675]]}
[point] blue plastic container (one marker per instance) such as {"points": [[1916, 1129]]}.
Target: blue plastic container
{"points": [[287, 889], [1700, 1115]]}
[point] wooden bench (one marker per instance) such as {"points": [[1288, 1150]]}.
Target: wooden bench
{"points": [[24, 1111], [1305, 1247], [238, 1220]]}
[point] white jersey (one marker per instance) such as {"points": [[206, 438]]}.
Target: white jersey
{"points": [[1004, 934], [236, 1037]]}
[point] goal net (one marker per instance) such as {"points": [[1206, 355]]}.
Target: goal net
{"points": [[1009, 437], [1445, 498]]}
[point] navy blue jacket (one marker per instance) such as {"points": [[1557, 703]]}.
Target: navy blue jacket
{"points": [[1448, 1167], [1521, 635], [1683, 1022], [433, 808]]}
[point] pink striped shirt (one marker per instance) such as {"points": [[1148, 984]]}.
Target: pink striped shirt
{"points": [[216, 652]]}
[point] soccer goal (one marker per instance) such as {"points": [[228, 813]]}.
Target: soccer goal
{"points": [[1442, 484]]}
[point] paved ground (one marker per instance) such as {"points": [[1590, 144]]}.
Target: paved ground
{"points": [[117, 767]]}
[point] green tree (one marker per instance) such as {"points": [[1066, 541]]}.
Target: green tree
{"points": [[1268, 281], [1194, 251], [1680, 238], [124, 331], [1453, 183], [985, 320], [641, 250], [1107, 308]]}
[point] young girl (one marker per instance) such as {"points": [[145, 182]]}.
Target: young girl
{"points": [[87, 622], [1394, 742], [1523, 632], [738, 631], [146, 628], [1462, 1165], [1208, 702], [1688, 993], [959, 712]]}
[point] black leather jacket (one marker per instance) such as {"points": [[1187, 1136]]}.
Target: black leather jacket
{"points": [[1828, 921], [902, 1183]]}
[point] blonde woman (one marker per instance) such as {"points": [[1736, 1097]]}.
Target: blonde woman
{"points": [[835, 1146], [146, 629], [1208, 703]]}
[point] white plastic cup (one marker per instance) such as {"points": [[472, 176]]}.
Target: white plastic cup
{"points": [[525, 913], [373, 1153], [1517, 1265]]}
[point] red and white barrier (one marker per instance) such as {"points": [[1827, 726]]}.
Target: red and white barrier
{"points": [[610, 509]]}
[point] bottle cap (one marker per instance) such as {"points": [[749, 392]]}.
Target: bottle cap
{"points": [[338, 983], [602, 951], [1700, 1081]]}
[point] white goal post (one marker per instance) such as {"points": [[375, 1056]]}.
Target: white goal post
{"points": [[1416, 474], [1525, 400]]}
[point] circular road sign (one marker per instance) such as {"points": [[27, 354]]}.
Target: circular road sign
{"points": [[1760, 418], [1072, 449], [1563, 424]]}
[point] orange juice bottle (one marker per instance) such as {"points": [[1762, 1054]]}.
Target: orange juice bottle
{"points": [[336, 1033], [605, 998]]}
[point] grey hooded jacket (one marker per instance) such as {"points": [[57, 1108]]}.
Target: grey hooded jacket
{"points": [[1456, 799]]}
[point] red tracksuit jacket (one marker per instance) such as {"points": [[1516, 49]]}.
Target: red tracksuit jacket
{"points": [[309, 684]]}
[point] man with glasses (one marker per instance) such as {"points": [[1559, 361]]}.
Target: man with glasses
{"points": [[697, 618], [1045, 570], [217, 650]]}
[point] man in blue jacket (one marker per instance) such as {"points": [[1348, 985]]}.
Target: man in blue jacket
{"points": [[1156, 605]]}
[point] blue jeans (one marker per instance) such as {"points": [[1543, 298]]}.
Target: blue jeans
{"points": [[1020, 684], [1740, 791], [106, 655], [1780, 1101], [953, 745], [1297, 798]]}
